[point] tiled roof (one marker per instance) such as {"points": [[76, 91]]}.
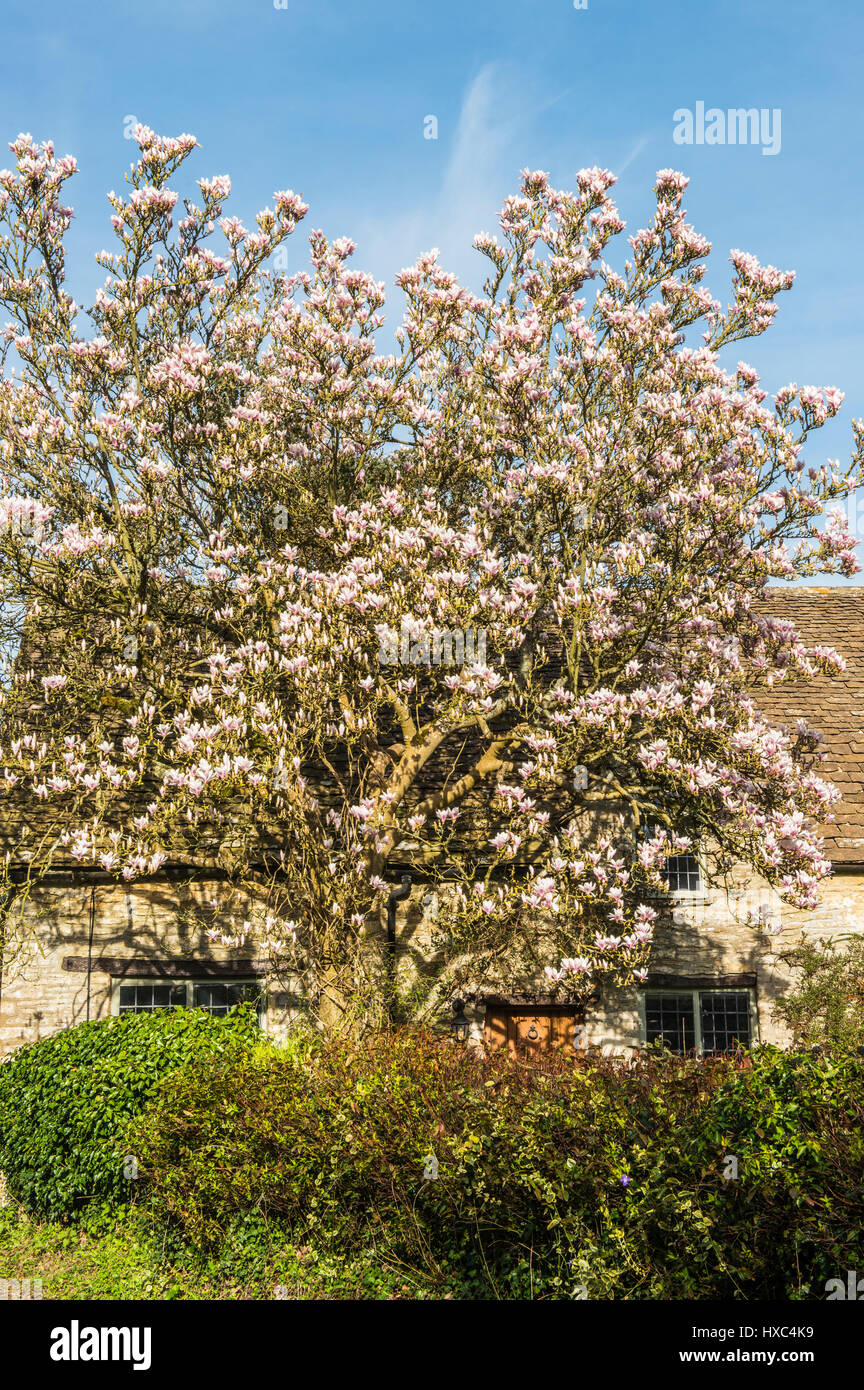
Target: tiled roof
{"points": [[831, 617]]}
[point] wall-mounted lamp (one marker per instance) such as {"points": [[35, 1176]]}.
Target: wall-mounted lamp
{"points": [[461, 1027]]}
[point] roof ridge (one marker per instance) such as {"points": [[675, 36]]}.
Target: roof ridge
{"points": [[792, 589]]}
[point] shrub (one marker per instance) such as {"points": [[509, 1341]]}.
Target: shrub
{"points": [[65, 1102], [826, 1003], [597, 1173]]}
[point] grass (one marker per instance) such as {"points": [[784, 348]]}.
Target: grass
{"points": [[122, 1254]]}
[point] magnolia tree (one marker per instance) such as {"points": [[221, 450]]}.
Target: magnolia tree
{"points": [[240, 543]]}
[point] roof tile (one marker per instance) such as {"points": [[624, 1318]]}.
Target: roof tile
{"points": [[830, 616]]}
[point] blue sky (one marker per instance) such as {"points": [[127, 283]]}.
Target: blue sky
{"points": [[330, 99]]}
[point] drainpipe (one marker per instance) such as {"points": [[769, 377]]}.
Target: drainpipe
{"points": [[90, 944], [9, 897], [398, 895]]}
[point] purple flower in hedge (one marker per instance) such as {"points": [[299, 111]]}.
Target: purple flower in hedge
{"points": [[624, 1180]]}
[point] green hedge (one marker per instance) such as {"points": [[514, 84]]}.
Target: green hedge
{"points": [[66, 1102], [591, 1173], [602, 1174]]}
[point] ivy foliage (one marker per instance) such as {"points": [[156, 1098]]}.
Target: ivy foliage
{"points": [[66, 1101]]}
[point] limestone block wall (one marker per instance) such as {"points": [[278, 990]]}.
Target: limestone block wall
{"points": [[725, 931], [722, 932], [139, 922], [728, 931]]}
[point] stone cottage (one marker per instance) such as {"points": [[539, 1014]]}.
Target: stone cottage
{"points": [[101, 948]]}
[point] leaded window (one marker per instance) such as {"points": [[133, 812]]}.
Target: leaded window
{"points": [[216, 997], [146, 997], [682, 873], [699, 1020]]}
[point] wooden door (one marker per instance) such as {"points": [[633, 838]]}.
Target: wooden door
{"points": [[527, 1032]]}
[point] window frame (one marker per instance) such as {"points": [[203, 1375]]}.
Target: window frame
{"points": [[188, 983], [696, 992], [686, 895]]}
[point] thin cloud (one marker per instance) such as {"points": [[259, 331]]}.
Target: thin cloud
{"points": [[634, 154], [478, 173]]}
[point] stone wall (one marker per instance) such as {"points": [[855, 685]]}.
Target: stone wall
{"points": [[83, 922], [725, 932], [719, 933]]}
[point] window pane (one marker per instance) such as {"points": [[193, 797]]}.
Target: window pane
{"points": [[145, 998], [682, 873], [669, 1019], [217, 999], [725, 1018], [246, 993], [213, 998]]}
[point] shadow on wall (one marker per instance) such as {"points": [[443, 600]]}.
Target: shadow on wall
{"points": [[149, 921]]}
